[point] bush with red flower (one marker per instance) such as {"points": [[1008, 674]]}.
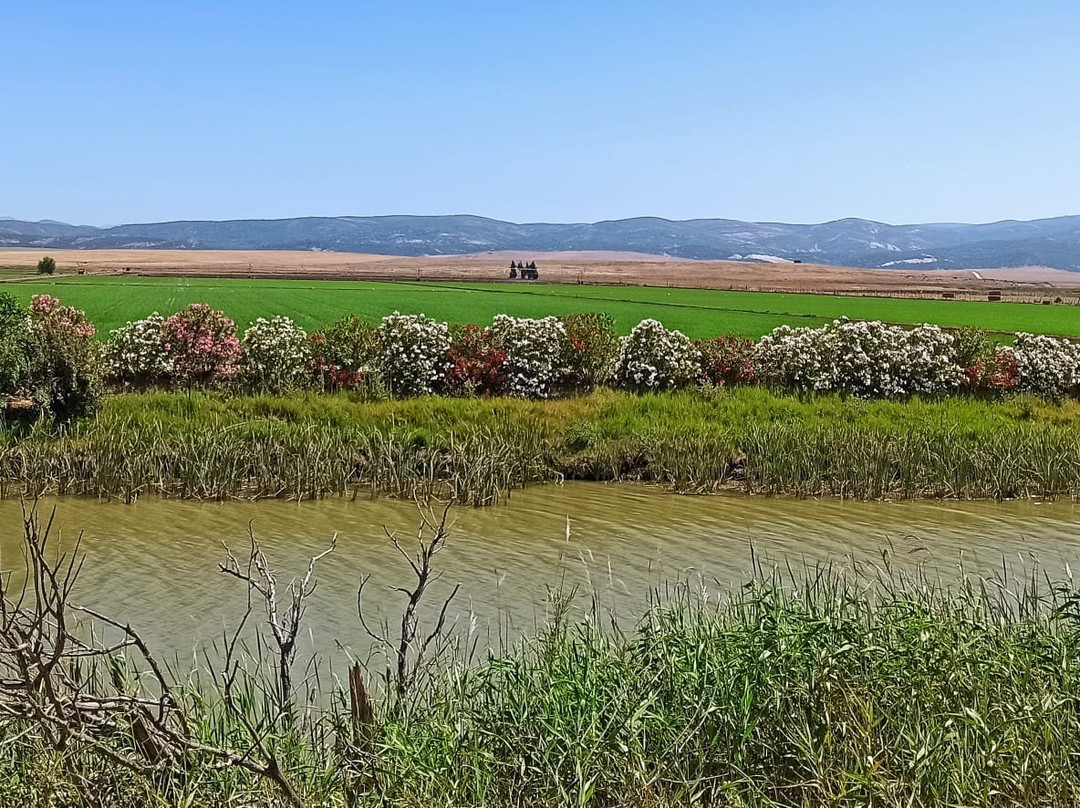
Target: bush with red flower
{"points": [[202, 346], [726, 360], [476, 363], [996, 372]]}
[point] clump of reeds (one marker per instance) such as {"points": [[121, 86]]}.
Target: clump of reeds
{"points": [[826, 690]]}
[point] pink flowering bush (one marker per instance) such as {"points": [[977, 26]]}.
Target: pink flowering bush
{"points": [[202, 345], [63, 360]]}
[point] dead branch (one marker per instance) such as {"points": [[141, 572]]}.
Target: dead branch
{"points": [[412, 647], [69, 691], [284, 627]]}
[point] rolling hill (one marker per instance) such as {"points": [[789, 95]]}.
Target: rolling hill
{"points": [[846, 242]]}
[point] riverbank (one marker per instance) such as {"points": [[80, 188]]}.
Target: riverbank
{"points": [[309, 445], [866, 689]]}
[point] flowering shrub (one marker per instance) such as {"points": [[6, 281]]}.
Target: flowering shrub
{"points": [[533, 349], [867, 358], [726, 360], [13, 333], [996, 372], [63, 360], [589, 350], [201, 344], [476, 362], [135, 355], [1046, 365], [345, 356], [277, 356], [987, 367], [653, 358], [412, 353]]}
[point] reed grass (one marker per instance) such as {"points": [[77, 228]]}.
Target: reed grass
{"points": [[480, 450], [857, 688]]}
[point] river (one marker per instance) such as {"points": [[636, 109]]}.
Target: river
{"points": [[154, 563]]}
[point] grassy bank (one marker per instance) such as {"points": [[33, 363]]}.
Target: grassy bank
{"points": [[111, 301], [748, 439], [837, 691]]}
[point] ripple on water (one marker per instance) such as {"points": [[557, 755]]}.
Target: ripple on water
{"points": [[155, 562]]}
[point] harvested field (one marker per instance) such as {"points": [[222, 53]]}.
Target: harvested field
{"points": [[1025, 283]]}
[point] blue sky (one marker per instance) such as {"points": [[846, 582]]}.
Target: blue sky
{"points": [[540, 111]]}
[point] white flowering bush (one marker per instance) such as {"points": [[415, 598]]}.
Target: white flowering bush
{"points": [[413, 353], [867, 358], [1046, 365], [276, 355], [534, 351], [135, 355], [654, 358]]}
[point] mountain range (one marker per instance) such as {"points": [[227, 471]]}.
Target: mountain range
{"points": [[845, 242]]}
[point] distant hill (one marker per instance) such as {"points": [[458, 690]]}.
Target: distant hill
{"points": [[846, 242]]}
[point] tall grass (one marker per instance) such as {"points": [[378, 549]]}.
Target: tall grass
{"points": [[312, 445], [864, 688]]}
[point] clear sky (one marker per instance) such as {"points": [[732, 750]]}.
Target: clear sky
{"points": [[785, 110]]}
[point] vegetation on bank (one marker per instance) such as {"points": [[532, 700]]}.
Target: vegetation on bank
{"points": [[111, 301], [51, 363], [872, 687], [749, 439]]}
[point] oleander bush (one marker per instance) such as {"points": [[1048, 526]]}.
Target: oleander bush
{"points": [[13, 336], [726, 360], [866, 358], [276, 356], [654, 358], [1046, 365], [202, 345], [135, 356], [589, 351], [476, 363], [534, 351], [63, 365], [413, 353]]}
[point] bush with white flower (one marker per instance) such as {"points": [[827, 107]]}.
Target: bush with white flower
{"points": [[654, 358], [534, 351], [413, 356], [277, 355], [135, 356], [1046, 365], [867, 358]]}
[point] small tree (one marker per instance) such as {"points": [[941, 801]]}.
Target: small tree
{"points": [[46, 266]]}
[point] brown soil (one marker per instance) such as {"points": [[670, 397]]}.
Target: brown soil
{"points": [[566, 267]]}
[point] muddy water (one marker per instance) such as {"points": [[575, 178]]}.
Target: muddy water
{"points": [[154, 563]]}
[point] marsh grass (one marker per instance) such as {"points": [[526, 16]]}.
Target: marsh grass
{"points": [[480, 450], [868, 686]]}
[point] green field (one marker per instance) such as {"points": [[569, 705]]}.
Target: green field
{"points": [[112, 301]]}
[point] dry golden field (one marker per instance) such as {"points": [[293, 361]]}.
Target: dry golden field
{"points": [[565, 267]]}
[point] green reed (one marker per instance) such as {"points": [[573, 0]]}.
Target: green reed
{"points": [[313, 445], [814, 687]]}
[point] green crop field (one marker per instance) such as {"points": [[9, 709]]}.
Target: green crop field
{"points": [[111, 301]]}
